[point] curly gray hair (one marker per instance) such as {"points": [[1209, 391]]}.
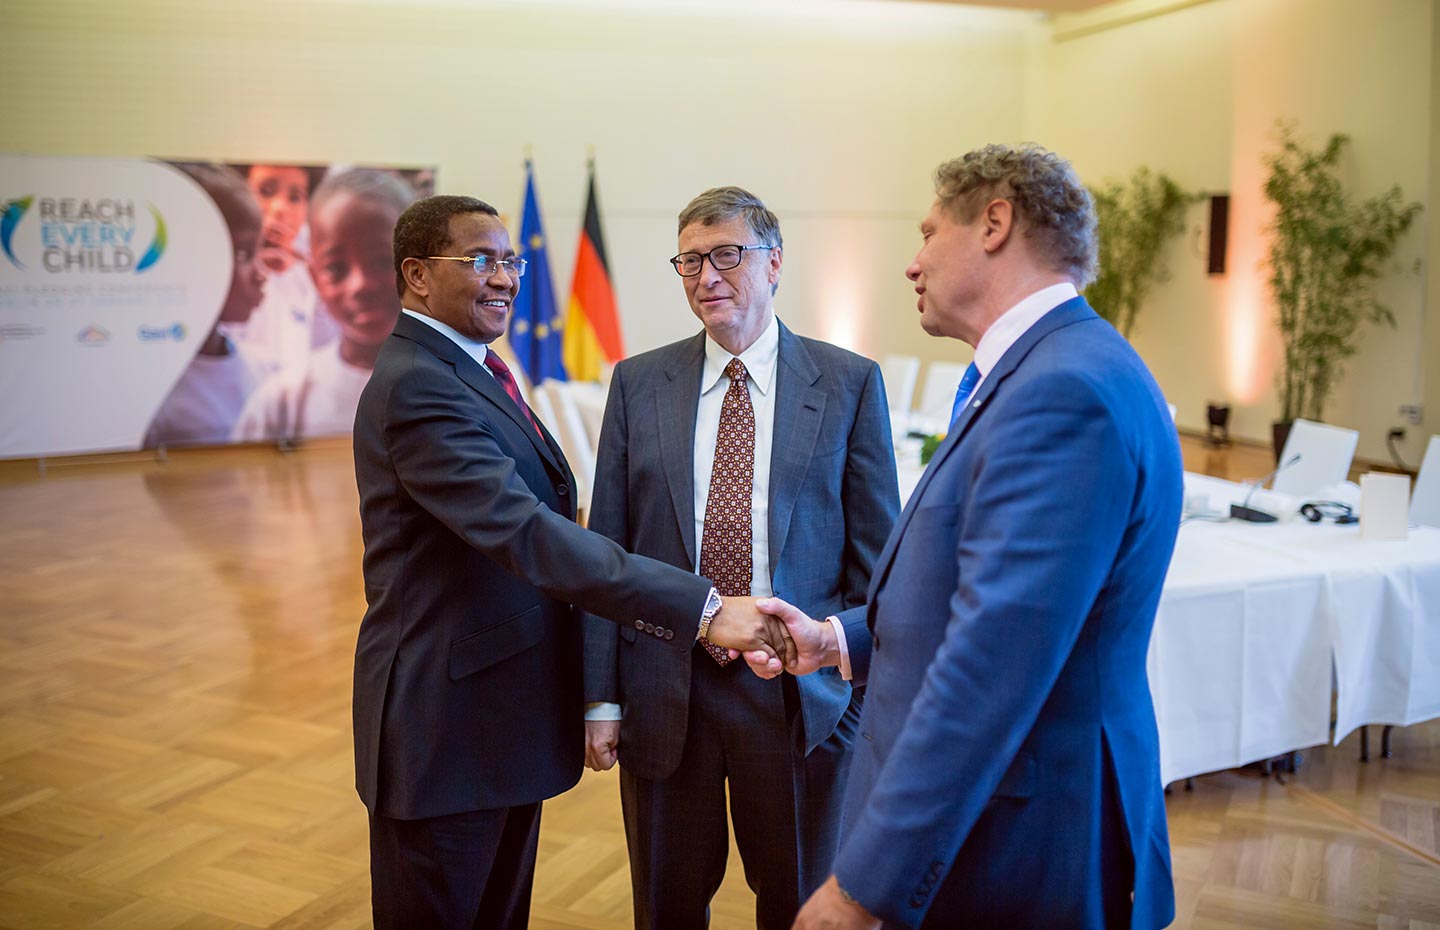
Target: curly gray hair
{"points": [[1052, 208]]}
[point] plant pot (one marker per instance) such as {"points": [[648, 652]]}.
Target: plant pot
{"points": [[1279, 432]]}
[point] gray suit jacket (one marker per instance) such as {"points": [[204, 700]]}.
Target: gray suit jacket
{"points": [[833, 500]]}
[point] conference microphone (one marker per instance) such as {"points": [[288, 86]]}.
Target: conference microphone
{"points": [[1249, 514]]}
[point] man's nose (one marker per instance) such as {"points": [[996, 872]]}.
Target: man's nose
{"points": [[708, 275]]}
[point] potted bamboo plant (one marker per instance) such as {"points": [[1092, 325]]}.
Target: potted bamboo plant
{"points": [[1136, 219], [1326, 252]]}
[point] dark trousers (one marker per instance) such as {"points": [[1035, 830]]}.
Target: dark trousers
{"points": [[470, 871], [785, 807]]}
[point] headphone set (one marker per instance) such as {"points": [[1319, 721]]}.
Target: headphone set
{"points": [[1315, 511]]}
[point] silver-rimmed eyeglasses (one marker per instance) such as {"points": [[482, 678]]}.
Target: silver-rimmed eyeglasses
{"points": [[722, 258], [486, 265]]}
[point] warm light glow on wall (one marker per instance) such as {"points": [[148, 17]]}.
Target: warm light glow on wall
{"points": [[1247, 313], [841, 321]]}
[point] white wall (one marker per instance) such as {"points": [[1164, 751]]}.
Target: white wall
{"points": [[834, 113], [1196, 92]]}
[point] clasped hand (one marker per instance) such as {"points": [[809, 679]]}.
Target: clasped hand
{"points": [[807, 644]]}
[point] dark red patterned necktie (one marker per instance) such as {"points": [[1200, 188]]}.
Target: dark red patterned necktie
{"points": [[501, 371], [725, 547]]}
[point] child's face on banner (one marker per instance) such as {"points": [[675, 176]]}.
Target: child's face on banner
{"points": [[350, 262], [282, 191]]}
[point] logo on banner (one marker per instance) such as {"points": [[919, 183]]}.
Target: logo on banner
{"points": [[14, 212], [174, 332], [82, 235], [92, 335]]}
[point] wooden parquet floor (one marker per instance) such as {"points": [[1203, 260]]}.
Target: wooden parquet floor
{"points": [[175, 654]]}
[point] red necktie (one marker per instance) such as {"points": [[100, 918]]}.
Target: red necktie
{"points": [[725, 548], [501, 371]]}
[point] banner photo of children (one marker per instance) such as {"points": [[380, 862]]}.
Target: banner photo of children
{"points": [[311, 298]]}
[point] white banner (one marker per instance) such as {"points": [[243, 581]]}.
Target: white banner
{"points": [[145, 303], [111, 271]]}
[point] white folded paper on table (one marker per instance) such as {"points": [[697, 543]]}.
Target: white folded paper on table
{"points": [[1384, 506]]}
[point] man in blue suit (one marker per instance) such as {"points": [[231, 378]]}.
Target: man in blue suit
{"points": [[763, 460], [1007, 773]]}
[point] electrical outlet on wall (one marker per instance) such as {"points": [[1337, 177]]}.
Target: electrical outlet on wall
{"points": [[1411, 413]]}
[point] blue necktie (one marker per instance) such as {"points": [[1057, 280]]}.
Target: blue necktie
{"points": [[963, 392]]}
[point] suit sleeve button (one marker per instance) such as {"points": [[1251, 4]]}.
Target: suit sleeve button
{"points": [[649, 628], [639, 624], [669, 634], [562, 490]]}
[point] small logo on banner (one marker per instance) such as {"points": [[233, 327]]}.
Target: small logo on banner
{"points": [[93, 335], [14, 212], [175, 332], [82, 235]]}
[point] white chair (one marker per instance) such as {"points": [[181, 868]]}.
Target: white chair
{"points": [[1425, 501], [938, 395], [590, 397], [1325, 454], [571, 436], [900, 373]]}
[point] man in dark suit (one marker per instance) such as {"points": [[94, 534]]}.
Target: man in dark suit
{"points": [[467, 672], [762, 460], [1009, 772]]}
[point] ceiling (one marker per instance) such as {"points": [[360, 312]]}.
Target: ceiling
{"points": [[1047, 6]]}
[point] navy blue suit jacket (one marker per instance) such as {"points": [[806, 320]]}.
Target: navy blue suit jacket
{"points": [[1008, 771], [833, 500]]}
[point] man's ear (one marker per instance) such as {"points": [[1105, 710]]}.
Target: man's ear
{"points": [[998, 221], [416, 275]]}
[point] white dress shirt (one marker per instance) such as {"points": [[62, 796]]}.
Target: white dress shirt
{"points": [[1014, 323], [760, 362], [473, 347]]}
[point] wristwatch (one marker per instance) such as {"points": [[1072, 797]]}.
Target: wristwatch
{"points": [[712, 607]]}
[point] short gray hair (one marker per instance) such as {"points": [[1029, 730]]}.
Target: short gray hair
{"points": [[722, 204], [1052, 208]]}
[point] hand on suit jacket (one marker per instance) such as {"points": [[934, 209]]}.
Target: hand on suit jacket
{"points": [[602, 744], [830, 908], [742, 628], [814, 640]]}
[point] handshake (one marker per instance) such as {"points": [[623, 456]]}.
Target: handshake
{"points": [[773, 636]]}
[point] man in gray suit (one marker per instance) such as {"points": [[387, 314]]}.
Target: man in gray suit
{"points": [[762, 460]]}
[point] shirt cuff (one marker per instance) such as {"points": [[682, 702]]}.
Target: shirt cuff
{"points": [[842, 644], [602, 710]]}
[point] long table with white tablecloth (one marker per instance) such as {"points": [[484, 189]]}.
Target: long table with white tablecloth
{"points": [[1259, 624]]}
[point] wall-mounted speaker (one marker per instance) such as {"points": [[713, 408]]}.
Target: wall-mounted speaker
{"points": [[1219, 228]]}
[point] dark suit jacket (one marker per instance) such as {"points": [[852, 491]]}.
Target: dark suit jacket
{"points": [[1008, 769], [467, 669], [833, 500]]}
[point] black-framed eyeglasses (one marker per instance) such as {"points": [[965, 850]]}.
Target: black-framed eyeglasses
{"points": [[722, 258], [486, 265]]}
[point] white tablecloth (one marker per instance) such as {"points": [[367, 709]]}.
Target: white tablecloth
{"points": [[1252, 616], [1260, 623]]}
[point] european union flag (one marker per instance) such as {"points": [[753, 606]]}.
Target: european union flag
{"points": [[535, 327]]}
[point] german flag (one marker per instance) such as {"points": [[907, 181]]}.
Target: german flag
{"points": [[592, 323]]}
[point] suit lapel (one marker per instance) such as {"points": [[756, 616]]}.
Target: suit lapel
{"points": [[799, 409], [1069, 312], [676, 401], [471, 372]]}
